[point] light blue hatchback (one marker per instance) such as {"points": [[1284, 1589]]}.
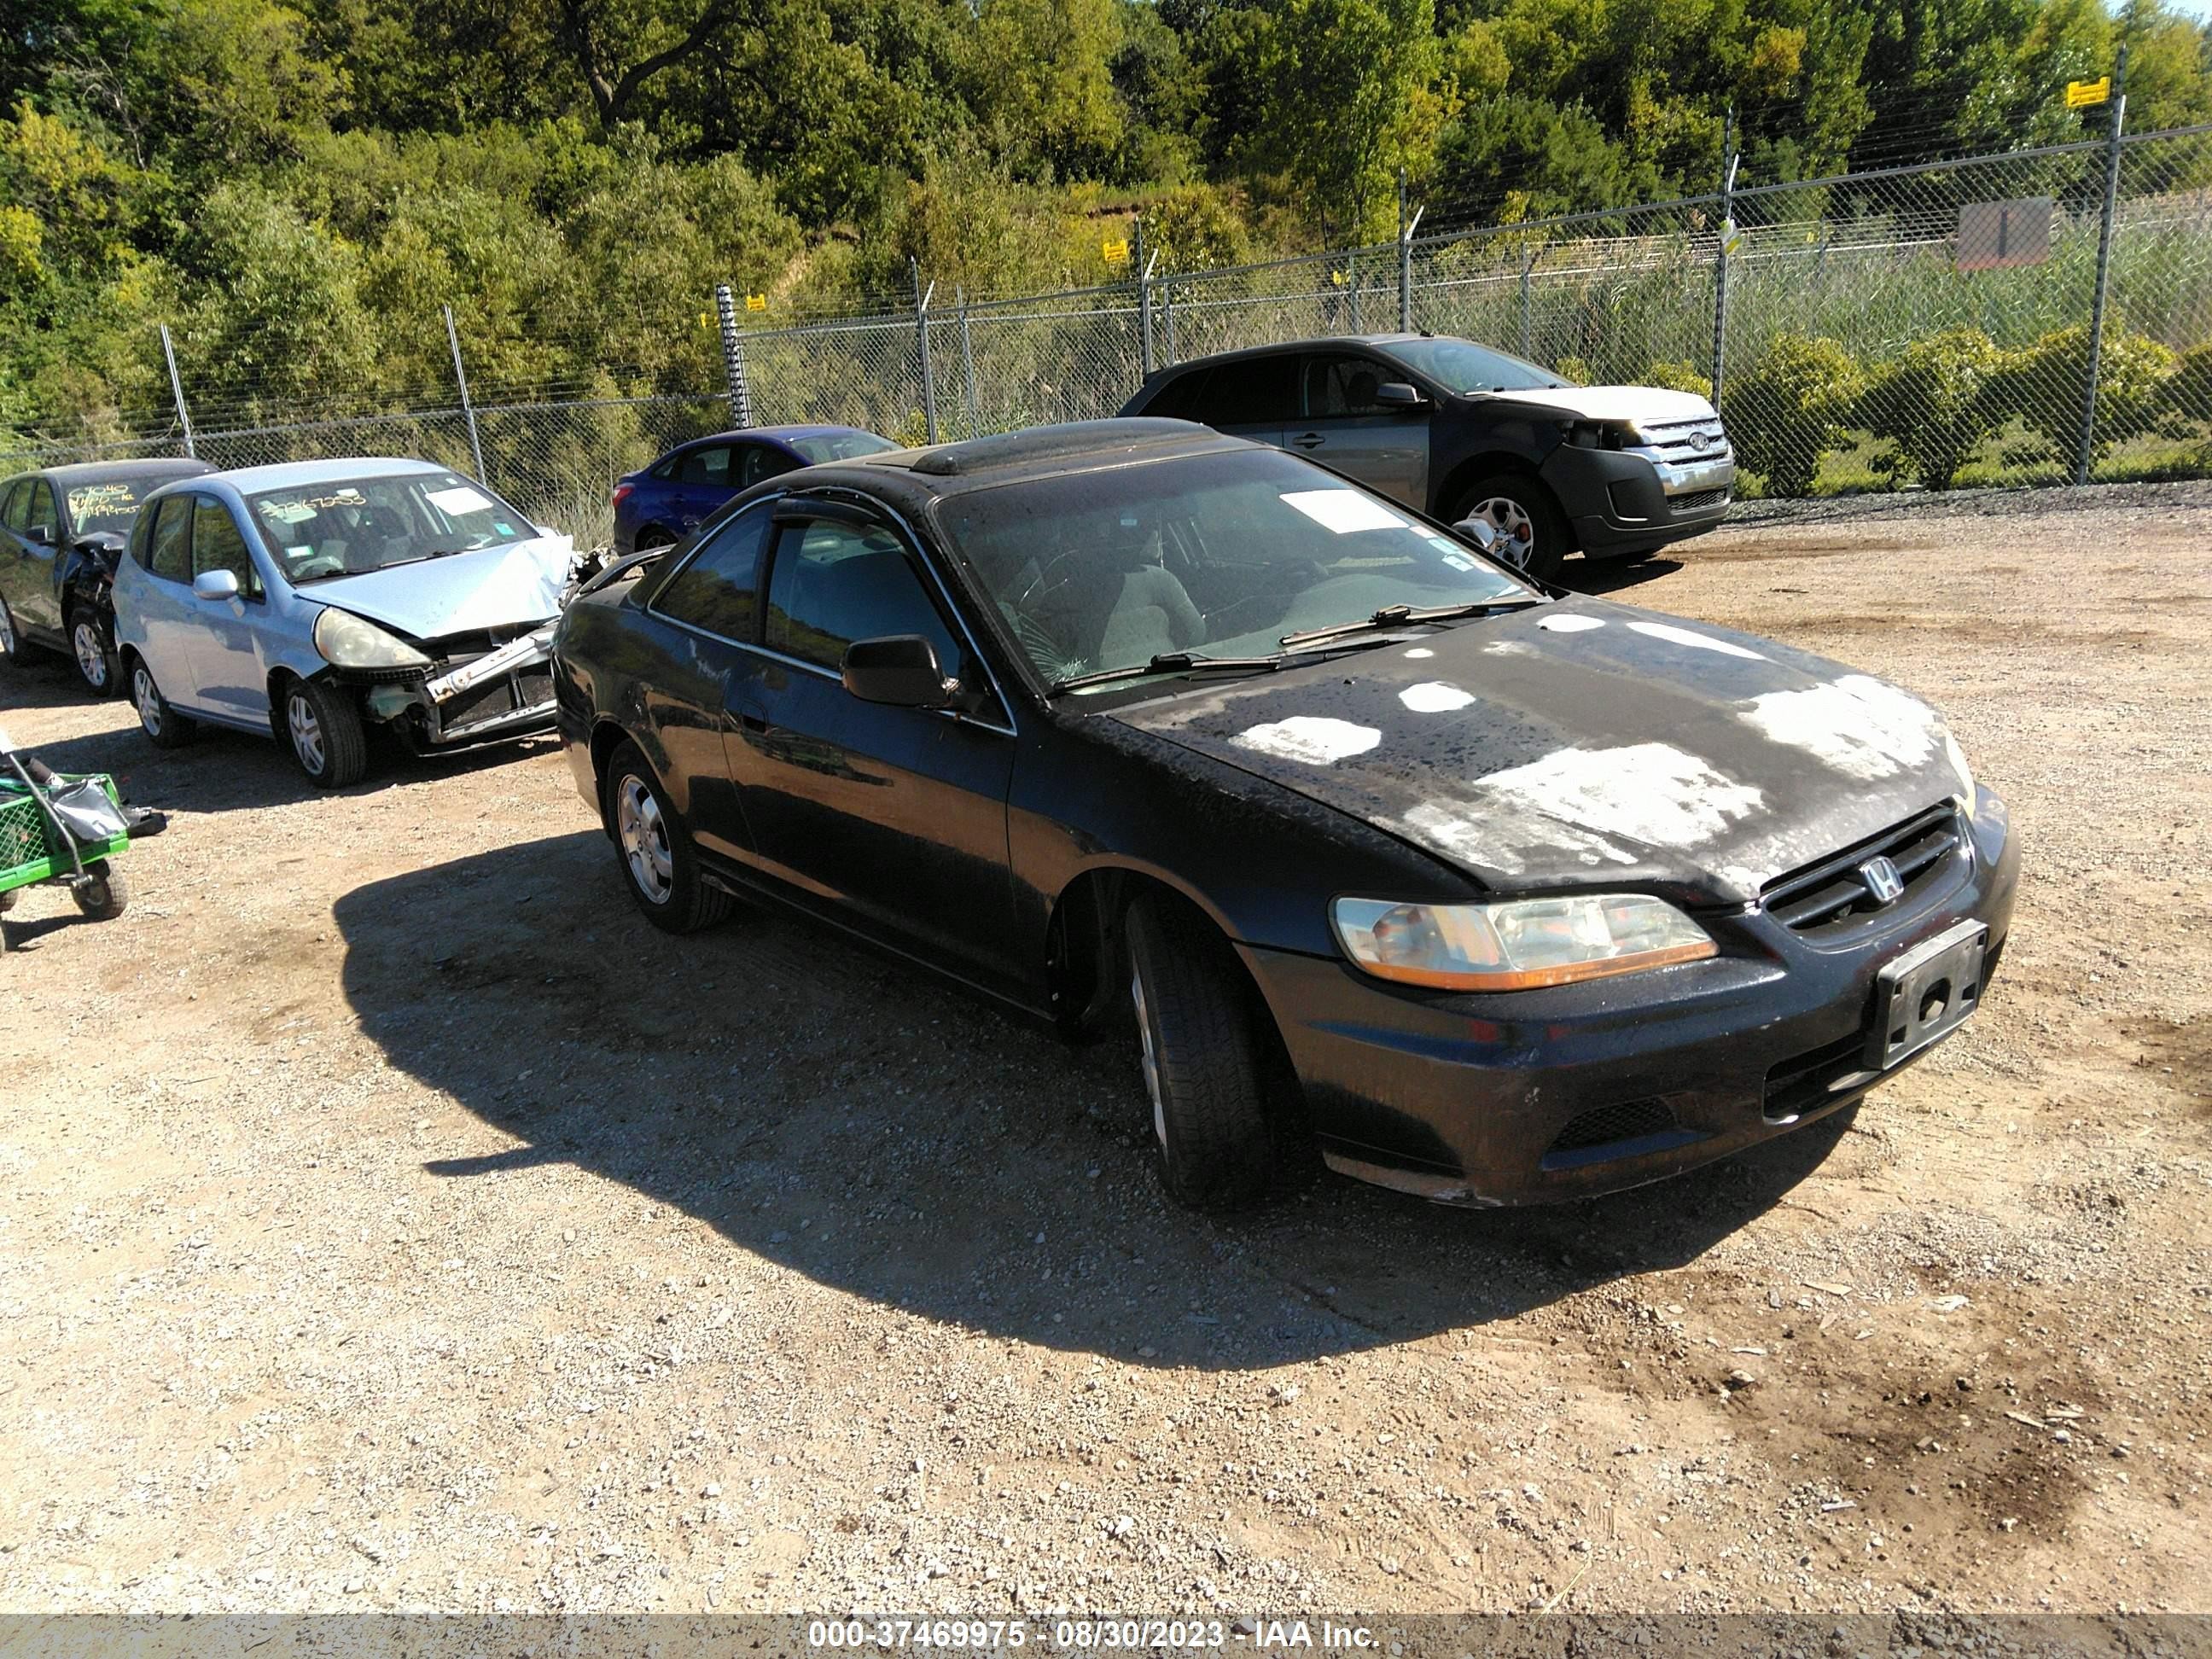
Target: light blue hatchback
{"points": [[312, 600]]}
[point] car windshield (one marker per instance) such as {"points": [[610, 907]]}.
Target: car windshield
{"points": [[821, 447], [341, 527], [110, 505], [1463, 367], [1220, 555]]}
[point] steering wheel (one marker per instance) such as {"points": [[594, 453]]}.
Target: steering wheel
{"points": [[318, 564]]}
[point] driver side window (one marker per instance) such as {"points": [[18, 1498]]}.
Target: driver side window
{"points": [[1343, 386], [831, 584], [170, 547]]}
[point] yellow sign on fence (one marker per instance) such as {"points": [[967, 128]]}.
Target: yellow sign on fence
{"points": [[1116, 249], [756, 302], [2080, 94]]}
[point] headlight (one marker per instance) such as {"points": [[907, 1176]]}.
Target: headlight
{"points": [[347, 642], [1519, 945]]}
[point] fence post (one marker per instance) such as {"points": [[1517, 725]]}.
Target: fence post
{"points": [[1527, 258], [2104, 270], [1144, 313], [733, 356], [1405, 258], [921, 299], [1167, 292], [967, 363], [177, 391], [461, 379], [1728, 159]]}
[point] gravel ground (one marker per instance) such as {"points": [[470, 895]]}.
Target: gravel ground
{"points": [[393, 1220]]}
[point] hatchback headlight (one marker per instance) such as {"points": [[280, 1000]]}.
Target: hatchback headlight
{"points": [[347, 642], [1519, 945]]}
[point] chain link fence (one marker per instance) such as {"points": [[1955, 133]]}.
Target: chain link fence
{"points": [[1928, 327]]}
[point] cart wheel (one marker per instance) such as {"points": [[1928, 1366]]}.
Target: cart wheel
{"points": [[103, 893]]}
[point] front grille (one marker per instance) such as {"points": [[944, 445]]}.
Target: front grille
{"points": [[1835, 892], [1695, 500], [1805, 1082], [1626, 1120], [1686, 440]]}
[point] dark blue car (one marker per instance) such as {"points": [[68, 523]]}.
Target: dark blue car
{"points": [[664, 502]]}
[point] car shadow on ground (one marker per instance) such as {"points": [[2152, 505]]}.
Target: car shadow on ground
{"points": [[1596, 576], [855, 1118], [220, 770]]}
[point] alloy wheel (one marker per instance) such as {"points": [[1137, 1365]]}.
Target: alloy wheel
{"points": [[1148, 1057], [307, 734], [7, 633], [1511, 522], [147, 696], [91, 655], [644, 836]]}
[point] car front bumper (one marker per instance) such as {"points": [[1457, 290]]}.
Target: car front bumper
{"points": [[1619, 502], [1507, 1099]]}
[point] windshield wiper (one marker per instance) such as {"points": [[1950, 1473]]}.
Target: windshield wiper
{"points": [[1192, 662], [1397, 616]]}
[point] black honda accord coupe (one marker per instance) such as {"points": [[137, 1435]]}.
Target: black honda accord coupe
{"points": [[1489, 894]]}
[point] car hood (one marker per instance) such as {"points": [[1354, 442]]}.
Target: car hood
{"points": [[1582, 742], [465, 594], [1617, 403]]}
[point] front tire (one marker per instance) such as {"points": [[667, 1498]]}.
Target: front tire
{"points": [[1203, 1054], [104, 893], [1520, 508], [659, 865], [11, 642], [92, 643], [164, 726], [325, 733]]}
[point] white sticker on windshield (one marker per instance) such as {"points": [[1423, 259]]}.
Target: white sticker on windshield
{"points": [[1344, 511], [460, 499], [298, 552]]}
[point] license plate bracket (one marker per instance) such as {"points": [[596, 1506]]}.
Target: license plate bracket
{"points": [[1926, 993]]}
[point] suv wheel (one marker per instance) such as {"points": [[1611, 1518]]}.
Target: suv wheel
{"points": [[94, 647], [1520, 509]]}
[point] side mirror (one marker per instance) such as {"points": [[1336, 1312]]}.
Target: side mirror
{"points": [[39, 535], [899, 669], [216, 585], [1396, 394], [1484, 534]]}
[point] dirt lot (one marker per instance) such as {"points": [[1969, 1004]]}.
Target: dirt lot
{"points": [[392, 1219]]}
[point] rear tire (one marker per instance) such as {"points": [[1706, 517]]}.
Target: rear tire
{"points": [[325, 731], [164, 726], [11, 642], [659, 865], [104, 893], [1204, 1057], [92, 643], [1521, 509]]}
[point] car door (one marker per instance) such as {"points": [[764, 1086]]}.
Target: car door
{"points": [[709, 620], [155, 607], [14, 567], [33, 522], [893, 818], [704, 480], [1255, 398], [230, 667], [1345, 426]]}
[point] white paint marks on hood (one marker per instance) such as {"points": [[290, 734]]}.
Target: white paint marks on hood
{"points": [[1493, 840], [1508, 649], [1568, 623], [1309, 740], [1420, 651], [1856, 725], [1694, 640], [1647, 792], [1435, 697]]}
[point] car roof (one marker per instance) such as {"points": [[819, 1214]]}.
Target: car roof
{"points": [[778, 433], [283, 475], [1319, 342], [93, 472], [1037, 452]]}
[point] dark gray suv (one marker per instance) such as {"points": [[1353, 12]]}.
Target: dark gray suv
{"points": [[1460, 431]]}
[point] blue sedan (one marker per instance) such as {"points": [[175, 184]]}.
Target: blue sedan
{"points": [[663, 503]]}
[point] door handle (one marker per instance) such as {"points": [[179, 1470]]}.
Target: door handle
{"points": [[1310, 440]]}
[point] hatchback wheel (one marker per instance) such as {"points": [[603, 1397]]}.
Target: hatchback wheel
{"points": [[11, 646], [164, 726], [1202, 1054], [94, 648], [325, 733], [660, 866], [1528, 527]]}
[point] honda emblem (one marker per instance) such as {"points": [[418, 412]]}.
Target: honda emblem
{"points": [[1881, 880]]}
